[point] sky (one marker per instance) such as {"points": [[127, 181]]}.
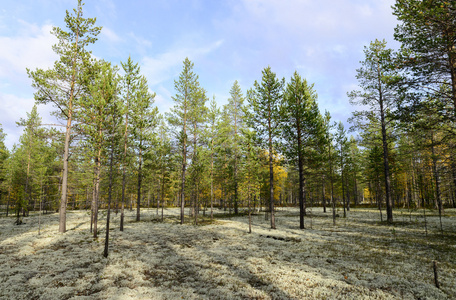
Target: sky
{"points": [[227, 40]]}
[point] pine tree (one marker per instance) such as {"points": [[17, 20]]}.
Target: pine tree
{"points": [[213, 116], [427, 33], [342, 145], [64, 85], [129, 84], [196, 130], [265, 100], [113, 119], [4, 154], [181, 115], [236, 112], [164, 158], [377, 79], [302, 129], [143, 121], [103, 89]]}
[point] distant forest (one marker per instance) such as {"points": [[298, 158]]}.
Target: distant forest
{"points": [[268, 146]]}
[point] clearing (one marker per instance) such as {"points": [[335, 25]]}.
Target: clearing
{"points": [[359, 258]]}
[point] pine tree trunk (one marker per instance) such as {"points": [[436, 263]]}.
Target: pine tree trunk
{"points": [[343, 193], [212, 183], [437, 181], [323, 194], [163, 193], [96, 194], [333, 201], [271, 181], [389, 204], [63, 199], [250, 213], [301, 180], [111, 162], [184, 165], [138, 200]]}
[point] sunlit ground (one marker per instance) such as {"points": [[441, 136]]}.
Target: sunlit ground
{"points": [[359, 258]]}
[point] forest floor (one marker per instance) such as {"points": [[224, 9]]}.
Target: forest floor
{"points": [[359, 258]]}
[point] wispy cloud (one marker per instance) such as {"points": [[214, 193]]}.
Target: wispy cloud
{"points": [[110, 35], [165, 66]]}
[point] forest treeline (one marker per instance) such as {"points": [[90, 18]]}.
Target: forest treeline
{"points": [[269, 145]]}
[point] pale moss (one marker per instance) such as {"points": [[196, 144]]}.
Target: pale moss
{"points": [[359, 258]]}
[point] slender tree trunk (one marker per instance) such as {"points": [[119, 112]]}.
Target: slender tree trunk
{"points": [[96, 193], [356, 192], [271, 181], [236, 209], [343, 192], [184, 165], [301, 179], [92, 205], [379, 199], [163, 193], [323, 194], [111, 162], [39, 211], [250, 212], [212, 180], [138, 200], [8, 201], [63, 199], [158, 195], [389, 204], [348, 192], [437, 181], [413, 187], [196, 205], [333, 201]]}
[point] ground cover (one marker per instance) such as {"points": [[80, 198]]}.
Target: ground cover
{"points": [[359, 258]]}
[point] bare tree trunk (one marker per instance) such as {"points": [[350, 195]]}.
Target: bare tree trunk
{"points": [[389, 203], [8, 201], [333, 201], [323, 194], [343, 193], [250, 213], [437, 181], [212, 179], [302, 196], [106, 246], [96, 194], [271, 183], [138, 200]]}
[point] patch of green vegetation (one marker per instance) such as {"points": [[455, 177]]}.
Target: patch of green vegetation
{"points": [[232, 215]]}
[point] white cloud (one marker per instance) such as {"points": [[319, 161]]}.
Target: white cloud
{"points": [[31, 49], [164, 66], [110, 35], [13, 109], [163, 99], [334, 18]]}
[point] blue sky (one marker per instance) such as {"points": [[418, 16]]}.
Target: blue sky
{"points": [[227, 40]]}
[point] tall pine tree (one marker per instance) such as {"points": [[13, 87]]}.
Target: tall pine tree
{"points": [[64, 85], [265, 99]]}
